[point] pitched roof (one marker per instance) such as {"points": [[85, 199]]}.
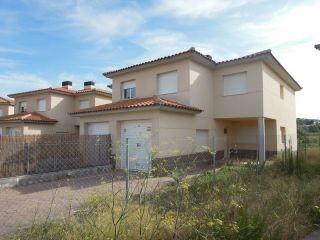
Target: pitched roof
{"points": [[26, 117], [271, 61], [265, 56], [63, 90], [134, 103], [192, 52], [6, 101]]}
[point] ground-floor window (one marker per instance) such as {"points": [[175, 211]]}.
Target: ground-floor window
{"points": [[283, 134], [202, 140], [14, 131]]}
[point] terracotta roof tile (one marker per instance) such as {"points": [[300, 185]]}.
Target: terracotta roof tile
{"points": [[192, 50], [32, 117], [138, 103], [65, 91], [6, 100], [98, 90], [253, 55]]}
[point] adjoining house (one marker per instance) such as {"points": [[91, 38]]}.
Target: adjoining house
{"points": [[245, 104], [46, 111], [6, 108]]}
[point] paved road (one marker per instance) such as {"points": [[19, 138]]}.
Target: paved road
{"points": [[21, 206]]}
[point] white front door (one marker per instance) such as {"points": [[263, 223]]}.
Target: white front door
{"points": [[100, 128], [136, 144]]}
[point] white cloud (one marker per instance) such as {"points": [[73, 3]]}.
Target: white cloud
{"points": [[288, 25], [13, 82], [303, 62], [291, 33], [96, 21], [8, 63], [196, 8], [159, 43]]}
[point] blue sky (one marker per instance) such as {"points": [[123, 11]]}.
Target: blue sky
{"points": [[44, 42]]}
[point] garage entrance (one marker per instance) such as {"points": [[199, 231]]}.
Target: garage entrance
{"points": [[136, 144]]}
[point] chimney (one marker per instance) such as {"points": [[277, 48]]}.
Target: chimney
{"points": [[208, 56], [89, 85], [67, 84]]}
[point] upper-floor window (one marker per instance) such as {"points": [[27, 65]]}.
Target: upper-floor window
{"points": [[168, 82], [42, 105], [234, 84], [129, 89], [281, 91], [22, 106], [84, 104], [1, 112]]}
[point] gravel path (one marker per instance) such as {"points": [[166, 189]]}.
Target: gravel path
{"points": [[21, 206]]}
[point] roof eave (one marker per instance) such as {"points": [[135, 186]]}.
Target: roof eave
{"points": [[272, 62], [194, 55], [28, 121], [35, 92], [106, 94], [136, 109]]}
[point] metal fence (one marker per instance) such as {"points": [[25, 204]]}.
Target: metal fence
{"points": [[41, 154]]}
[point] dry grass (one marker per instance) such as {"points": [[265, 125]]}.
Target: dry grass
{"points": [[232, 204]]}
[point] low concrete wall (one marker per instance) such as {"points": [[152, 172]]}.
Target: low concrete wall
{"points": [[48, 177]]}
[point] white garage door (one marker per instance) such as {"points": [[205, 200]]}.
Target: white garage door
{"points": [[136, 144], [101, 128]]}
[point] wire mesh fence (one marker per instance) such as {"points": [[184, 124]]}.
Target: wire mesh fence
{"points": [[85, 199], [41, 154]]}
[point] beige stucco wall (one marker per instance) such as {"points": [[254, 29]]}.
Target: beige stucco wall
{"points": [[202, 87], [282, 110], [7, 109], [100, 100], [114, 120], [241, 105], [147, 84], [32, 102]]}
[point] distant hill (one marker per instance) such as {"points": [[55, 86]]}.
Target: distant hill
{"points": [[308, 126]]}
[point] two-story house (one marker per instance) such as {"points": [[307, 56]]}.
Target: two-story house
{"points": [[46, 111], [6, 108], [246, 104]]}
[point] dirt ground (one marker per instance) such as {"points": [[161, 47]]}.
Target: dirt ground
{"points": [[22, 206]]}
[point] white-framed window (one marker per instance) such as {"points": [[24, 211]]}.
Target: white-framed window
{"points": [[234, 84], [1, 112], [84, 104], [42, 105], [202, 140], [168, 82], [22, 106], [281, 91], [129, 89]]}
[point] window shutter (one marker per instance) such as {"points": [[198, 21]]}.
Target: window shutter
{"points": [[42, 105], [235, 84], [130, 84], [84, 104], [168, 82], [202, 140]]}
